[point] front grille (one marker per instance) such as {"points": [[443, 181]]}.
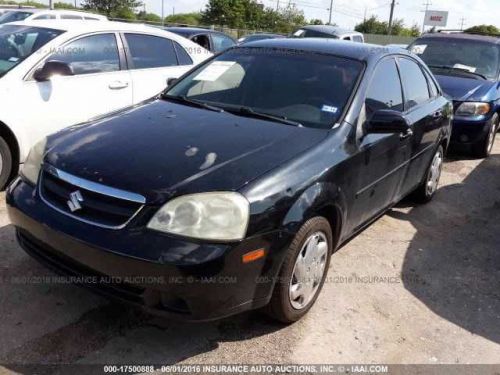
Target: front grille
{"points": [[88, 201]]}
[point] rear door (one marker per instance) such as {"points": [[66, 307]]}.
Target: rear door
{"points": [[100, 84], [425, 113], [152, 61], [382, 159]]}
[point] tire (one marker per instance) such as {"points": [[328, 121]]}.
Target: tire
{"points": [[482, 149], [427, 189], [5, 164], [292, 298]]}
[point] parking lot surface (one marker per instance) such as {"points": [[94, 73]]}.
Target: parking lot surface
{"points": [[421, 285]]}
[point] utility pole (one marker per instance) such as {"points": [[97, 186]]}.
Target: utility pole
{"points": [[462, 23], [391, 17], [364, 18], [51, 4], [278, 5], [331, 11], [427, 5], [163, 12]]}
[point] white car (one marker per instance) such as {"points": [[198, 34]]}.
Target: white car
{"points": [[54, 74], [32, 14]]}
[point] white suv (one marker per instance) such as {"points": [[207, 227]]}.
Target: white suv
{"points": [[54, 74], [29, 14]]}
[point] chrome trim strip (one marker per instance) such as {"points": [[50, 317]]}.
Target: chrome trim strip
{"points": [[50, 169], [95, 187]]}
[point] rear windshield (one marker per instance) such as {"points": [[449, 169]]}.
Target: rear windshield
{"points": [[15, 15], [309, 88], [19, 42], [459, 54]]}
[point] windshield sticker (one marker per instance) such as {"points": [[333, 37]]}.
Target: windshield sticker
{"points": [[214, 71], [329, 108], [299, 32], [465, 67], [419, 49], [14, 59]]}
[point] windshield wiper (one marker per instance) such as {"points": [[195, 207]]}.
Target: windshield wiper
{"points": [[446, 67], [191, 102], [249, 112]]}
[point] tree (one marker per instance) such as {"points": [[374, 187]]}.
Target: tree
{"points": [[148, 17], [192, 19], [113, 8], [484, 29], [315, 22], [373, 26], [62, 5]]}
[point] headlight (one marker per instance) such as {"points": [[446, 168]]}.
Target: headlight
{"points": [[32, 165], [473, 109], [212, 216]]}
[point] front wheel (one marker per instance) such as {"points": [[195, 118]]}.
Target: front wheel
{"points": [[484, 147], [5, 163], [303, 271], [426, 191]]}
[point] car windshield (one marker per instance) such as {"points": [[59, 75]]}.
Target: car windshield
{"points": [[15, 15], [303, 88], [459, 55], [19, 42]]}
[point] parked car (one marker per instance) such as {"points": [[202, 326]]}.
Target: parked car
{"points": [[212, 40], [58, 73], [468, 67], [28, 14], [328, 31], [4, 8], [258, 36], [231, 191]]}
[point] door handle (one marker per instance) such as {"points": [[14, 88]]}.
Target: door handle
{"points": [[408, 133], [118, 85]]}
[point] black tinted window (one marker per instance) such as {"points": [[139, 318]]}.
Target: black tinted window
{"points": [[151, 51], [182, 55], [414, 83], [91, 54], [385, 89]]}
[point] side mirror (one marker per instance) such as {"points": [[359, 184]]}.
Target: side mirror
{"points": [[388, 121], [171, 81], [52, 68]]}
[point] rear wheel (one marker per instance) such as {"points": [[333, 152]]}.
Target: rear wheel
{"points": [[303, 271], [5, 163], [484, 147], [426, 191]]}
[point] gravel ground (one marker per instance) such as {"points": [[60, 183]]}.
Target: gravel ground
{"points": [[421, 285]]}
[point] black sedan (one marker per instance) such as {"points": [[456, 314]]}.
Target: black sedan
{"points": [[211, 40], [231, 191]]}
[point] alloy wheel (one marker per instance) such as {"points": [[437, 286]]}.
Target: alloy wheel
{"points": [[434, 173], [491, 138], [309, 270]]}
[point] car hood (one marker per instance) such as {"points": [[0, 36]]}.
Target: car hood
{"points": [[161, 149], [465, 89]]}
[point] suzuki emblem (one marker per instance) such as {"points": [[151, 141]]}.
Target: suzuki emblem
{"points": [[75, 201]]}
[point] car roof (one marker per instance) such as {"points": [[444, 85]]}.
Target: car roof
{"points": [[190, 30], [83, 26], [328, 29], [462, 36], [356, 51]]}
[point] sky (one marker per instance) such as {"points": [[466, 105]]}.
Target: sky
{"points": [[347, 13]]}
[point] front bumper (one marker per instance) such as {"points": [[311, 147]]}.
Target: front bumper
{"points": [[466, 133], [166, 275]]}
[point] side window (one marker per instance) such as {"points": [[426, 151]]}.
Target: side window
{"points": [[150, 51], [45, 17], [385, 90], [90, 55], [70, 17], [433, 89], [346, 38], [221, 42], [357, 38], [86, 18], [414, 83], [182, 55]]}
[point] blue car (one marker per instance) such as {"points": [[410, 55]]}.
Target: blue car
{"points": [[467, 68]]}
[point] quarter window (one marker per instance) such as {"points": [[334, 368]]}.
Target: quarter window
{"points": [[433, 89], [90, 55], [414, 83], [150, 51], [182, 55], [221, 42], [385, 89]]}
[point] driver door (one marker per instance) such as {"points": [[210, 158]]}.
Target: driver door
{"points": [[98, 86]]}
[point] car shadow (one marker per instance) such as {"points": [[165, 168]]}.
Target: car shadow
{"points": [[452, 264], [50, 325]]}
